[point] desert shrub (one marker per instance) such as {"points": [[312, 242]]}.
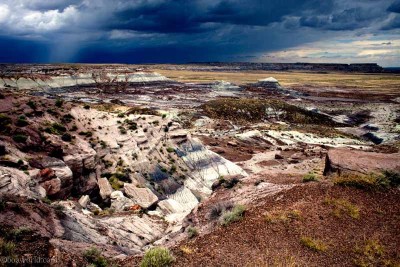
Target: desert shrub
{"points": [[5, 122], [31, 104], [86, 106], [219, 208], [21, 121], [170, 149], [172, 170], [309, 177], [6, 248], [192, 232], [66, 137], [121, 115], [236, 214], [67, 118], [116, 184], [55, 128], [87, 134], [122, 130], [157, 257], [46, 200], [93, 256], [313, 244], [393, 177], [368, 181], [343, 206], [20, 138], [59, 102]]}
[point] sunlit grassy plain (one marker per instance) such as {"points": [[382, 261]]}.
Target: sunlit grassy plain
{"points": [[373, 83]]}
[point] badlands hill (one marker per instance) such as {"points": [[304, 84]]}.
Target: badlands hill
{"points": [[121, 166]]}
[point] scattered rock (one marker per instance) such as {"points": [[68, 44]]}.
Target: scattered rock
{"points": [[84, 200], [105, 188], [142, 196]]}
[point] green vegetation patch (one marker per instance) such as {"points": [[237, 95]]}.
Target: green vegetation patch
{"points": [[236, 214], [157, 257], [20, 138], [94, 257], [310, 177], [55, 128]]}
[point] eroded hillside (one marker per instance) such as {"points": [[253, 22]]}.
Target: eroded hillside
{"points": [[221, 174]]}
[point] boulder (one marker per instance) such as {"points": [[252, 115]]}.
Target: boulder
{"points": [[142, 196], [345, 160], [52, 186], [119, 202], [105, 188]]}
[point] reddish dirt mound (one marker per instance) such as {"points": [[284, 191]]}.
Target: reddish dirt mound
{"points": [[319, 211]]}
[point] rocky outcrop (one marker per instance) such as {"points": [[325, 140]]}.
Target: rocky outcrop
{"points": [[79, 79], [345, 160], [14, 182], [144, 197], [55, 176]]}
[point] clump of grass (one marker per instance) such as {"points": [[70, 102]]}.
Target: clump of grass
{"points": [[369, 181], [186, 250], [19, 232], [313, 244], [94, 257], [282, 216], [343, 206], [371, 253], [157, 257], [192, 232], [236, 214], [309, 177]]}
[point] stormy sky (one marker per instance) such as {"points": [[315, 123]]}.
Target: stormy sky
{"points": [[178, 31]]}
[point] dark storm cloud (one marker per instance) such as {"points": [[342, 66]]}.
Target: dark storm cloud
{"points": [[394, 7], [182, 30]]}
